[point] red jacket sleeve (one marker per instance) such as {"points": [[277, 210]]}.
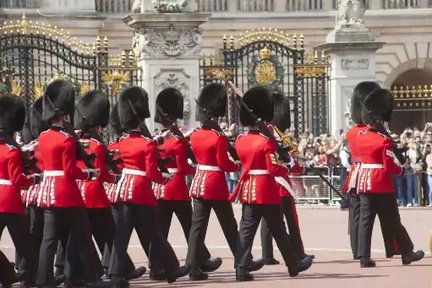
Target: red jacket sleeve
{"points": [[151, 164], [70, 161], [391, 163], [272, 164], [15, 170], [105, 175], [183, 166], [224, 163]]}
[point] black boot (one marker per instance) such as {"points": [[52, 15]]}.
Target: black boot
{"points": [[211, 264], [116, 282], [243, 275], [179, 272], [302, 265], [270, 261], [157, 274], [138, 272], [366, 262], [196, 274], [254, 266], [412, 257]]}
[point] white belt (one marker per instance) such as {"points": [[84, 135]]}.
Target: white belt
{"points": [[172, 170], [134, 172], [5, 182], [371, 166], [259, 172], [54, 173], [208, 168]]}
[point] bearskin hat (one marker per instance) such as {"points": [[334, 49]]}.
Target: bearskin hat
{"points": [[92, 110], [59, 99], [170, 101], [136, 97], [259, 100], [361, 91], [378, 106], [282, 112], [115, 127], [12, 113], [213, 98]]}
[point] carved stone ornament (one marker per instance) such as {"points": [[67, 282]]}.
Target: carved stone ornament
{"points": [[351, 12], [355, 64], [136, 6], [346, 94], [175, 6], [176, 79], [167, 42]]}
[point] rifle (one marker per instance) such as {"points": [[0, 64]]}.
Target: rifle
{"points": [[176, 131], [214, 125], [28, 163], [144, 130]]}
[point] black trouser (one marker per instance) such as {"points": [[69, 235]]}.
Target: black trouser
{"points": [[385, 205], [7, 272], [251, 217], [200, 218], [183, 211], [290, 212], [354, 220], [18, 230], [145, 220], [34, 218], [70, 227]]}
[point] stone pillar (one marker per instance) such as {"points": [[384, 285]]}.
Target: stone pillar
{"points": [[168, 47], [352, 48]]}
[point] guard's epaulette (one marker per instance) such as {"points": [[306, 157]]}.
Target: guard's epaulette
{"points": [[124, 136], [217, 132], [146, 138], [176, 137], [11, 147], [383, 135], [265, 136], [43, 132], [96, 140], [241, 134], [67, 135]]}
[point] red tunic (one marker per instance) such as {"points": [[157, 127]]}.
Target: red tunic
{"points": [[93, 191], [140, 161], [351, 136], [379, 164], [59, 155], [112, 187], [29, 197], [11, 179], [176, 189], [211, 151], [257, 184]]}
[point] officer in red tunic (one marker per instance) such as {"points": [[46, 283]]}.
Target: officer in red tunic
{"points": [[257, 187], [173, 197], [91, 116], [65, 218], [209, 188], [12, 179], [374, 179], [136, 200], [361, 91], [282, 121]]}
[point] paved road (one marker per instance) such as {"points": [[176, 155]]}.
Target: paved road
{"points": [[325, 235]]}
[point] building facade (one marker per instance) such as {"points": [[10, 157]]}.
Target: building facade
{"points": [[404, 64]]}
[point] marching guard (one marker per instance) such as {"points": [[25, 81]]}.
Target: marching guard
{"points": [[173, 197], [257, 189], [209, 189], [137, 204], [91, 116], [361, 91], [282, 121], [12, 179], [65, 218], [374, 179]]}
